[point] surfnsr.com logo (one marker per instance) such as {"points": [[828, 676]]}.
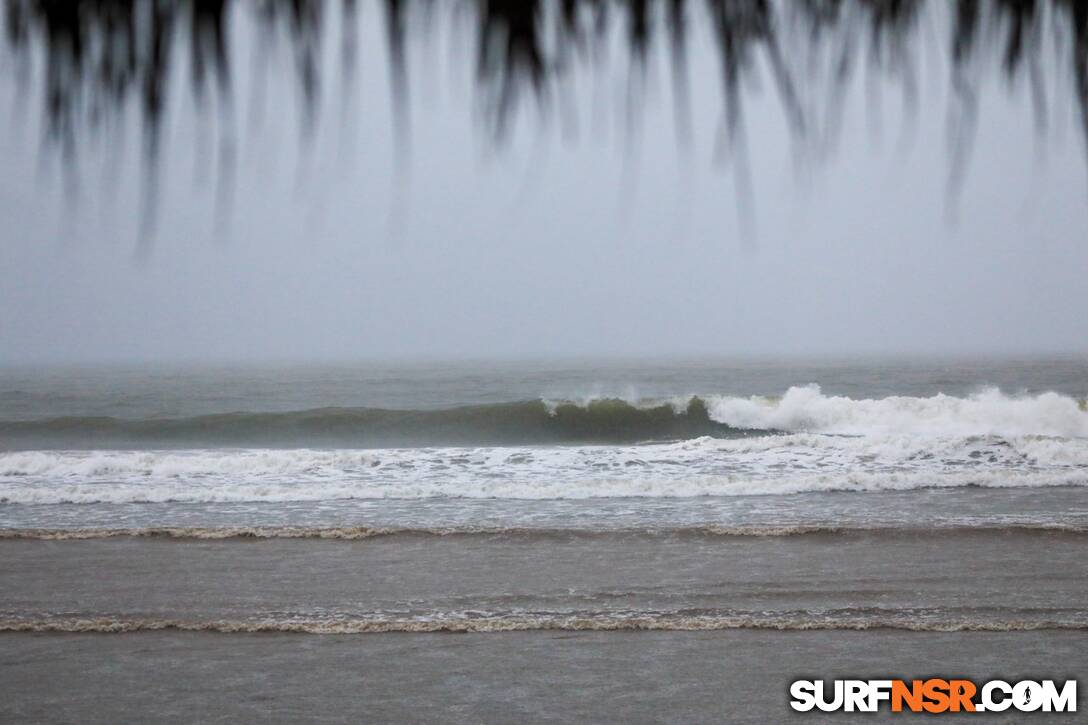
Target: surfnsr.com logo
{"points": [[933, 696]]}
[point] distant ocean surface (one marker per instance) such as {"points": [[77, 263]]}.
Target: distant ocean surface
{"points": [[571, 496]]}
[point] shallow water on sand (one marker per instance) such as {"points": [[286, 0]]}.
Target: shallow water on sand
{"points": [[737, 676], [965, 578]]}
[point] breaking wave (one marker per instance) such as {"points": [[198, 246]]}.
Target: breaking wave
{"points": [[532, 422], [695, 446], [802, 409], [987, 412]]}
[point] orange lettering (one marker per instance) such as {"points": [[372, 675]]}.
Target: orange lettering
{"points": [[936, 694], [962, 691], [912, 696]]}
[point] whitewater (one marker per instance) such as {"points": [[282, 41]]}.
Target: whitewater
{"points": [[801, 441], [986, 412], [595, 497]]}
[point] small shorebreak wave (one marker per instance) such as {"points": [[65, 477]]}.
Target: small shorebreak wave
{"points": [[690, 620], [358, 533]]}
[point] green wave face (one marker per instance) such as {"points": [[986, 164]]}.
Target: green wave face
{"points": [[527, 422]]}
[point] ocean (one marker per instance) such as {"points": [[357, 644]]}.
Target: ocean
{"points": [[932, 504], [588, 447]]}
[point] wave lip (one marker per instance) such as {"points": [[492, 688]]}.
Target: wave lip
{"points": [[606, 420], [713, 446], [987, 412], [801, 409]]}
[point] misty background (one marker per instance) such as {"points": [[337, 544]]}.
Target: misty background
{"points": [[310, 208]]}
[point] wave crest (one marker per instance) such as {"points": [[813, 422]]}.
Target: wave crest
{"points": [[987, 412], [606, 420], [802, 409]]}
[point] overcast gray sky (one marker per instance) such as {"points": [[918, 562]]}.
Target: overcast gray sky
{"points": [[601, 239]]}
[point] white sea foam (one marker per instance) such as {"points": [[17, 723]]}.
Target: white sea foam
{"points": [[835, 443], [355, 533], [987, 412], [705, 466], [517, 621]]}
